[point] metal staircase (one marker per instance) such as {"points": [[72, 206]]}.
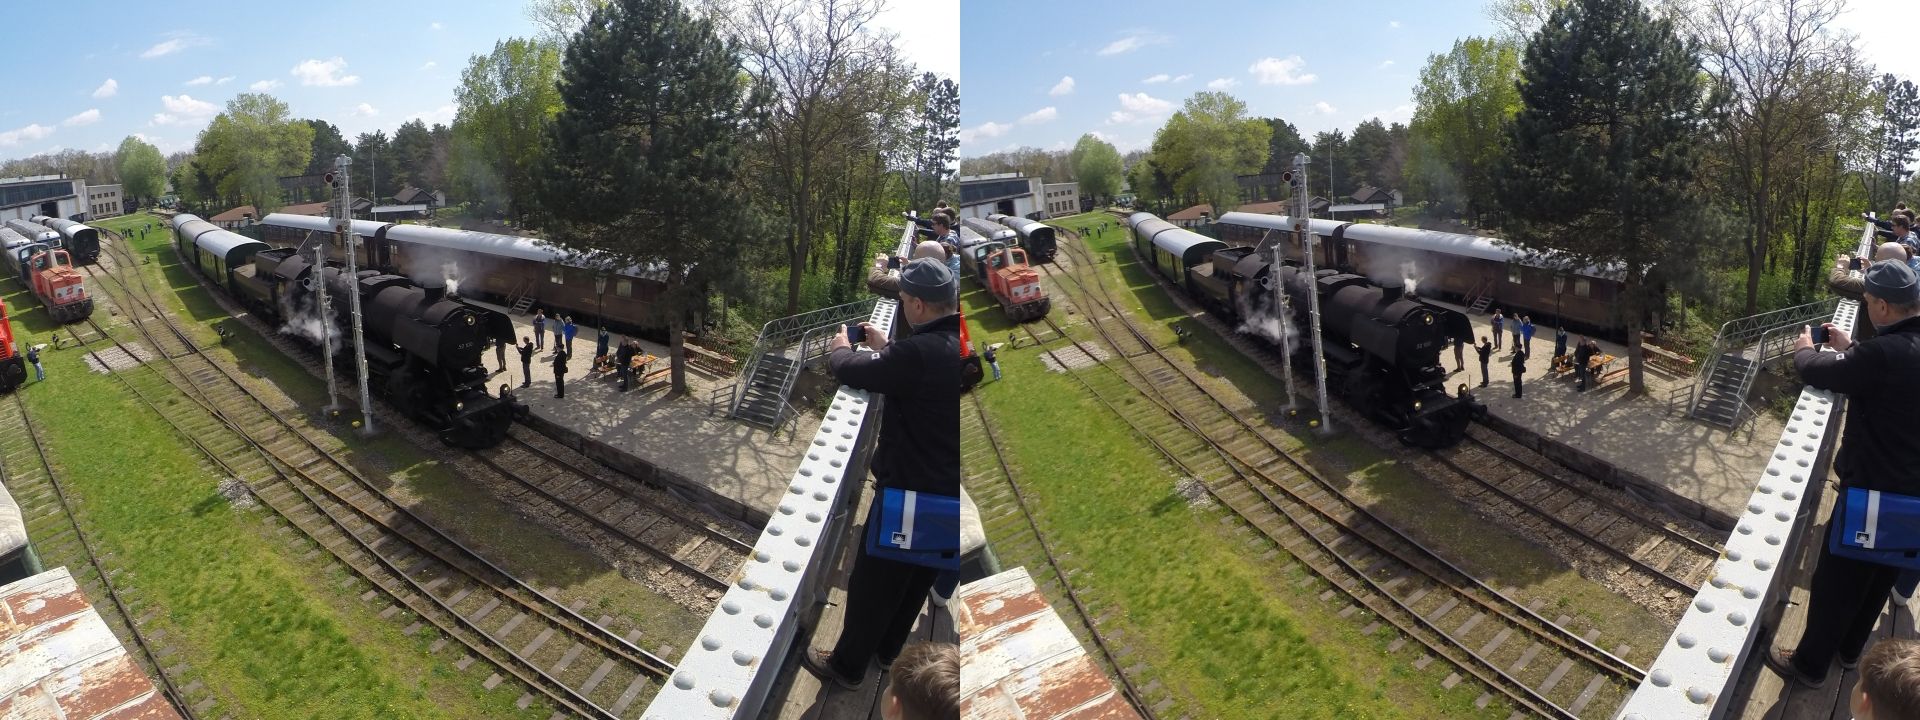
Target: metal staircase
{"points": [[1740, 350], [521, 298], [1479, 297], [785, 347]]}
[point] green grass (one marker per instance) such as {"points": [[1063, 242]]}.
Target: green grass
{"points": [[1231, 634], [268, 630]]}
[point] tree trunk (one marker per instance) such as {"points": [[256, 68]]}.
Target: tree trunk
{"points": [[676, 334], [1636, 360]]}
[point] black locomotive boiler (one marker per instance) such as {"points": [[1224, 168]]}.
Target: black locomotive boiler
{"points": [[1382, 347]]}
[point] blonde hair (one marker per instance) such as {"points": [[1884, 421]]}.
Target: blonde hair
{"points": [[926, 679], [1890, 676]]}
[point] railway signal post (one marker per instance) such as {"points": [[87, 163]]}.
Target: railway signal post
{"points": [[343, 224], [1284, 307], [326, 329], [1313, 291]]}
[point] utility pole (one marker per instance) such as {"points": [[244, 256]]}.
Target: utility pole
{"points": [[343, 225], [1313, 289]]}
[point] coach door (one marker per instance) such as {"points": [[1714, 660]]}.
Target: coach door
{"points": [[380, 250], [1337, 248]]}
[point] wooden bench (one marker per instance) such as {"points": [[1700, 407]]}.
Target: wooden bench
{"points": [[1610, 376], [710, 362], [1666, 360]]}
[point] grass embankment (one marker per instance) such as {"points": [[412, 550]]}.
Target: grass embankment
{"points": [[249, 613], [1230, 633]]}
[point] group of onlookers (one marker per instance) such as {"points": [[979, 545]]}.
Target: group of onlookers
{"points": [[1522, 327]]}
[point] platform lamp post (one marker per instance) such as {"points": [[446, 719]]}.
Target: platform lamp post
{"points": [[1559, 285], [600, 292]]}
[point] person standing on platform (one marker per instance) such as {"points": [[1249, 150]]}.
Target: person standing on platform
{"points": [[1519, 368], [526, 361], [570, 328], [918, 450], [1499, 321], [1881, 378], [560, 358], [1526, 331], [1513, 326], [993, 362], [1582, 363], [539, 329], [600, 343], [500, 353], [1459, 354], [623, 363], [1560, 342], [1486, 355], [33, 357]]}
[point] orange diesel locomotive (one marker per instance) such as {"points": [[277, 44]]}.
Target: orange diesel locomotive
{"points": [[13, 368], [54, 279]]}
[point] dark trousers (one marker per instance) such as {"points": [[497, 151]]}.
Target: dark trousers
{"points": [[1580, 372], [1459, 358], [883, 599], [500, 353], [1843, 603], [559, 385], [526, 373], [1483, 374], [1496, 337], [1516, 384], [539, 337], [626, 371]]}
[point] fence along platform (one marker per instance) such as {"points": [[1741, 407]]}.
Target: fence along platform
{"points": [[1699, 667], [740, 652]]}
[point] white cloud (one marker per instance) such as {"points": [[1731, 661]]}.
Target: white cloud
{"points": [[1222, 83], [29, 133], [1130, 43], [202, 80], [429, 66], [88, 117], [1182, 78], [1400, 113], [433, 26], [224, 80], [442, 115], [1045, 114], [179, 41], [365, 110], [1322, 108], [264, 85], [1162, 77], [107, 89], [183, 110], [1275, 71], [1139, 107], [1384, 64], [1064, 87], [325, 73], [1393, 23], [983, 131]]}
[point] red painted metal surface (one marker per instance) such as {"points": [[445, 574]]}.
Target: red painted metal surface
{"points": [[1020, 662], [58, 659]]}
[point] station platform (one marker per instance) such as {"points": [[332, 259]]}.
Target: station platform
{"points": [[733, 468], [1700, 470]]}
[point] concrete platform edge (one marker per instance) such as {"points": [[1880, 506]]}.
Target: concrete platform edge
{"points": [[1607, 473], [646, 471]]}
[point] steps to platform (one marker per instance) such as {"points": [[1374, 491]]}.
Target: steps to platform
{"points": [[1740, 350], [784, 349]]}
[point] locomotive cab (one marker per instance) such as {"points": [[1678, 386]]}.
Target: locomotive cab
{"points": [[60, 286]]}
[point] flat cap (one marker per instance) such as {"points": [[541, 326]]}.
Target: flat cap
{"points": [[930, 280], [1894, 282]]}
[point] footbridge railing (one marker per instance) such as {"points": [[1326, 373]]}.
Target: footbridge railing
{"points": [[735, 660], [1702, 662]]}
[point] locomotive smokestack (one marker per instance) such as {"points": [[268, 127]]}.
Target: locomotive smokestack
{"points": [[435, 289], [1390, 290]]}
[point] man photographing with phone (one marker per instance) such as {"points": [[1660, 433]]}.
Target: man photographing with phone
{"points": [[1881, 378], [919, 451], [1845, 284]]}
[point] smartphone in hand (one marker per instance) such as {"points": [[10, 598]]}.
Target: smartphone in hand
{"points": [[1820, 335], [893, 263], [1856, 263], [856, 334]]}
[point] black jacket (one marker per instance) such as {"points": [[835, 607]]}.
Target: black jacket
{"points": [[526, 353], [920, 427], [1881, 378], [1485, 350], [1519, 364], [560, 362]]}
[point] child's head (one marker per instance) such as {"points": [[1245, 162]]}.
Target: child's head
{"points": [[925, 684], [1889, 687]]}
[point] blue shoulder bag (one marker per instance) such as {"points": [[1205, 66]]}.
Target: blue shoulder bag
{"points": [[915, 527], [1877, 527]]}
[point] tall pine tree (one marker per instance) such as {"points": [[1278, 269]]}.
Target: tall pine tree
{"points": [[1600, 167], [643, 156]]}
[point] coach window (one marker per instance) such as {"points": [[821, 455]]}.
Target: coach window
{"points": [[555, 275], [1513, 274], [623, 288], [1581, 288]]}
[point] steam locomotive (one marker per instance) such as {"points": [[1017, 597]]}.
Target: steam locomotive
{"points": [[1382, 346], [423, 346]]}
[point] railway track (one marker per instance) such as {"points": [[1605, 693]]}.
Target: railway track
{"points": [[990, 482], [580, 665], [1489, 636], [29, 477]]}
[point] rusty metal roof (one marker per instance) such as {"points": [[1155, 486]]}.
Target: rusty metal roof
{"points": [[58, 659], [1020, 662]]}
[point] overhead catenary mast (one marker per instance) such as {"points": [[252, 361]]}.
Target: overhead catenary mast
{"points": [[343, 226], [1313, 289]]}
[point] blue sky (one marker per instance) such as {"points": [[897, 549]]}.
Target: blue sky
{"points": [[164, 69], [1318, 65]]}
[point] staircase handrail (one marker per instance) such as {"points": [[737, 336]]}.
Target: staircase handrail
{"points": [[780, 334], [1738, 334]]}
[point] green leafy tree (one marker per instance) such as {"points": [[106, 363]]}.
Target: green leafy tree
{"points": [[645, 154], [936, 137], [328, 144], [143, 172], [373, 166], [1897, 137], [251, 146], [412, 154], [1096, 164], [1462, 100], [1368, 149], [1602, 164], [506, 99], [1332, 165], [1207, 145]]}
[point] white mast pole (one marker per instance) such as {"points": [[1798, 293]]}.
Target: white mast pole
{"points": [[343, 224], [1313, 292]]}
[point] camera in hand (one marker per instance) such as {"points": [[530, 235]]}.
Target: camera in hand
{"points": [[1820, 335], [856, 334], [893, 263], [1856, 263]]}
